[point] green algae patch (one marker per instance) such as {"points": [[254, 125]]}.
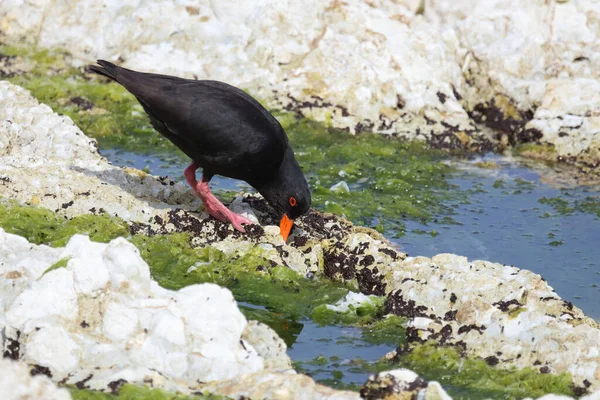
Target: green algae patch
{"points": [[351, 314], [466, 378], [62, 263], [175, 264], [544, 152], [134, 392], [391, 330], [566, 205], [487, 165], [388, 180], [42, 226], [286, 328]]}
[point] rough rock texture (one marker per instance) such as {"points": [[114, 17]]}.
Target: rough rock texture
{"points": [[507, 316], [370, 66], [401, 384], [101, 321], [278, 386], [531, 69], [17, 383], [425, 70], [101, 318]]}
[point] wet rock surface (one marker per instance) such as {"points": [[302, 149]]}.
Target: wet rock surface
{"points": [[507, 316]]}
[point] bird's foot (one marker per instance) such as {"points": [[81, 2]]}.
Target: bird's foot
{"points": [[213, 205], [218, 210]]}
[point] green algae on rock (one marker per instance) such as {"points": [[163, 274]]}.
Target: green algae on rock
{"points": [[174, 263], [389, 330], [107, 113], [42, 226], [59, 264], [466, 378], [251, 277], [350, 312], [125, 391], [388, 179]]}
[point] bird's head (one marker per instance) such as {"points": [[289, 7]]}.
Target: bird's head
{"points": [[297, 205], [287, 192]]}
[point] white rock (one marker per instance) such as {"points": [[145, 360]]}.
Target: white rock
{"points": [[270, 347], [52, 296], [352, 299], [52, 346], [16, 383], [130, 329], [19, 266], [304, 50], [542, 55], [402, 383], [503, 309], [48, 141], [289, 386]]}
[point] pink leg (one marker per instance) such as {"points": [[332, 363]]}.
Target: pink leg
{"points": [[213, 205]]}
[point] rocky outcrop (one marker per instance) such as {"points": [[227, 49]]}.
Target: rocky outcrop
{"points": [[100, 321], [363, 66], [426, 70], [531, 70]]}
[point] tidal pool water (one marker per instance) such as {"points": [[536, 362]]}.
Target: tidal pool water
{"points": [[514, 218], [511, 215]]}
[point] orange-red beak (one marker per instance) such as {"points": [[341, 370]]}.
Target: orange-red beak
{"points": [[285, 226]]}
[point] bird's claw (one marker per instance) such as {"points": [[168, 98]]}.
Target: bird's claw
{"points": [[212, 205], [237, 221]]}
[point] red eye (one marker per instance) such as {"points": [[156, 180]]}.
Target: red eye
{"points": [[292, 201]]}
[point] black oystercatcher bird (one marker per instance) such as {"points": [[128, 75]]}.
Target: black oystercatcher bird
{"points": [[225, 132]]}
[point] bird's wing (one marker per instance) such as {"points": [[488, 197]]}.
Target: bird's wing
{"points": [[210, 120]]}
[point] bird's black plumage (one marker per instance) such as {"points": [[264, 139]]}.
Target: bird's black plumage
{"points": [[223, 129]]}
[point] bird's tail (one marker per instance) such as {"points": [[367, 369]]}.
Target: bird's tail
{"points": [[106, 68]]}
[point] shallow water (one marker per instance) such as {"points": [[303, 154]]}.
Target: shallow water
{"points": [[507, 223], [332, 354]]}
